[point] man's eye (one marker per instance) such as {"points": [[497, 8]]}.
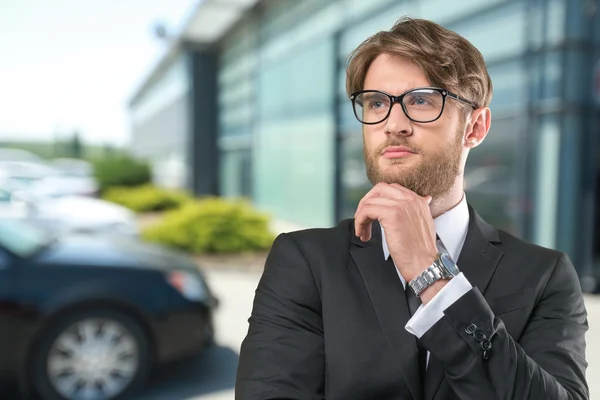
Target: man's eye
{"points": [[420, 101], [375, 104]]}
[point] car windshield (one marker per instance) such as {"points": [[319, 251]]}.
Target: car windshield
{"points": [[22, 239]]}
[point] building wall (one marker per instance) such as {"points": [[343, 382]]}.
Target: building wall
{"points": [[160, 125], [286, 116], [288, 140], [306, 146], [237, 105]]}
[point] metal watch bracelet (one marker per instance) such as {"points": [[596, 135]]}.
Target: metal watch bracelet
{"points": [[426, 278]]}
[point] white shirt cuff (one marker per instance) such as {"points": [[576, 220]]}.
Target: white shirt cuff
{"points": [[427, 315]]}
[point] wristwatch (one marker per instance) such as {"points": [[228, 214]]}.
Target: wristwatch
{"points": [[442, 268]]}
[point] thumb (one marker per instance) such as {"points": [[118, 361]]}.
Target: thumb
{"points": [[428, 198]]}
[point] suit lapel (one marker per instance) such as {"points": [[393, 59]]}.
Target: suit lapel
{"points": [[477, 261], [387, 295]]}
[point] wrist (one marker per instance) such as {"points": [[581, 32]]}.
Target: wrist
{"points": [[423, 263], [431, 291], [441, 269]]}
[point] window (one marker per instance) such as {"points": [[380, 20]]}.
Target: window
{"points": [[484, 31], [492, 176], [236, 173], [353, 174], [443, 11], [293, 154], [301, 84], [510, 85], [5, 196], [293, 169], [22, 239], [358, 30], [172, 85]]}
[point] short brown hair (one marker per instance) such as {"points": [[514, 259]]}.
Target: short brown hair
{"points": [[448, 60]]}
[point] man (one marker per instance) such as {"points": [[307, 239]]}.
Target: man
{"points": [[335, 314]]}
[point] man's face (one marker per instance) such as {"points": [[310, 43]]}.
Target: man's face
{"points": [[434, 160]]}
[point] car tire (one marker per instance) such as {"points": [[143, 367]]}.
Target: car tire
{"points": [[86, 333]]}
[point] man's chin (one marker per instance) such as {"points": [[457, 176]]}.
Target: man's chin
{"points": [[390, 178]]}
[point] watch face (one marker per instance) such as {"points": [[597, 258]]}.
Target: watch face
{"points": [[449, 264]]}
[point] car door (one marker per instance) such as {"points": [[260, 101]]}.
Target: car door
{"points": [[6, 207], [10, 209], [8, 308]]}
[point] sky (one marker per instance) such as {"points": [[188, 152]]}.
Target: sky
{"points": [[71, 65]]}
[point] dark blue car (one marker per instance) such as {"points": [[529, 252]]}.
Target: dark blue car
{"points": [[86, 317]]}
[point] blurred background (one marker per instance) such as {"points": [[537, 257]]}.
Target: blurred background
{"points": [[150, 151]]}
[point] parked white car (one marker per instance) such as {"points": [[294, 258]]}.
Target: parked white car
{"points": [[67, 213], [10, 154], [48, 180]]}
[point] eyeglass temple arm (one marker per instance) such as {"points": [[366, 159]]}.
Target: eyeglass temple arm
{"points": [[462, 100]]}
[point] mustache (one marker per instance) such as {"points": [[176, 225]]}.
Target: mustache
{"points": [[399, 142]]}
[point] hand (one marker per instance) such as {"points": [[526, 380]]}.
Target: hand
{"points": [[408, 224]]}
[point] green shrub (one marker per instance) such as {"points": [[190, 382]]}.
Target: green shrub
{"points": [[121, 170], [213, 225], [146, 198]]}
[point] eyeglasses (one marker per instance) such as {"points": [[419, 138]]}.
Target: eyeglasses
{"points": [[420, 104]]}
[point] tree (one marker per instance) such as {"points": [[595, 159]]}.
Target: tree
{"points": [[75, 147]]}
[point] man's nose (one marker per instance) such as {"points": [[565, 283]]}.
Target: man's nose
{"points": [[397, 122]]}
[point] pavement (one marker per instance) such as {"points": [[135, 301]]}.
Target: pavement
{"points": [[212, 376], [592, 303]]}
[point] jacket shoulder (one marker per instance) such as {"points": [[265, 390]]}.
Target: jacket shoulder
{"points": [[514, 244]]}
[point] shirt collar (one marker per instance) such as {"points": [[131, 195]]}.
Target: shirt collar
{"points": [[451, 227]]}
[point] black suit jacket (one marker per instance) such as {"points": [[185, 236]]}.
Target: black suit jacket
{"points": [[329, 317]]}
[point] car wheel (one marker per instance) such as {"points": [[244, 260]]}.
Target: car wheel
{"points": [[99, 355]]}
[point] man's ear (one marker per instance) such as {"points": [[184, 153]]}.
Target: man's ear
{"points": [[477, 127]]}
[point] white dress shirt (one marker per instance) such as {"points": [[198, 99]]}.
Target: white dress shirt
{"points": [[451, 228]]}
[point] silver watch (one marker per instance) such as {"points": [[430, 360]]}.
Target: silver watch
{"points": [[442, 268]]}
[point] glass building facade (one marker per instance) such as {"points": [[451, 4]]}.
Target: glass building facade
{"points": [[285, 135]]}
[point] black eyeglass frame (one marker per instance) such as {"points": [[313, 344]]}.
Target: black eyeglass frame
{"points": [[399, 99]]}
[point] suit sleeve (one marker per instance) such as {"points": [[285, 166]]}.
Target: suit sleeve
{"points": [[548, 361], [282, 356]]}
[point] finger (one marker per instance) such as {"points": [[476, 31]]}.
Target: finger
{"points": [[369, 213], [362, 227], [375, 191], [409, 192], [384, 191], [363, 220], [393, 190], [384, 201], [381, 189]]}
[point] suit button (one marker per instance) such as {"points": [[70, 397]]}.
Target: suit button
{"points": [[471, 329], [479, 336], [486, 345]]}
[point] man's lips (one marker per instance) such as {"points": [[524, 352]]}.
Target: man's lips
{"points": [[397, 152]]}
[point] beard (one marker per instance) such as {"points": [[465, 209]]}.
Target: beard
{"points": [[434, 175]]}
